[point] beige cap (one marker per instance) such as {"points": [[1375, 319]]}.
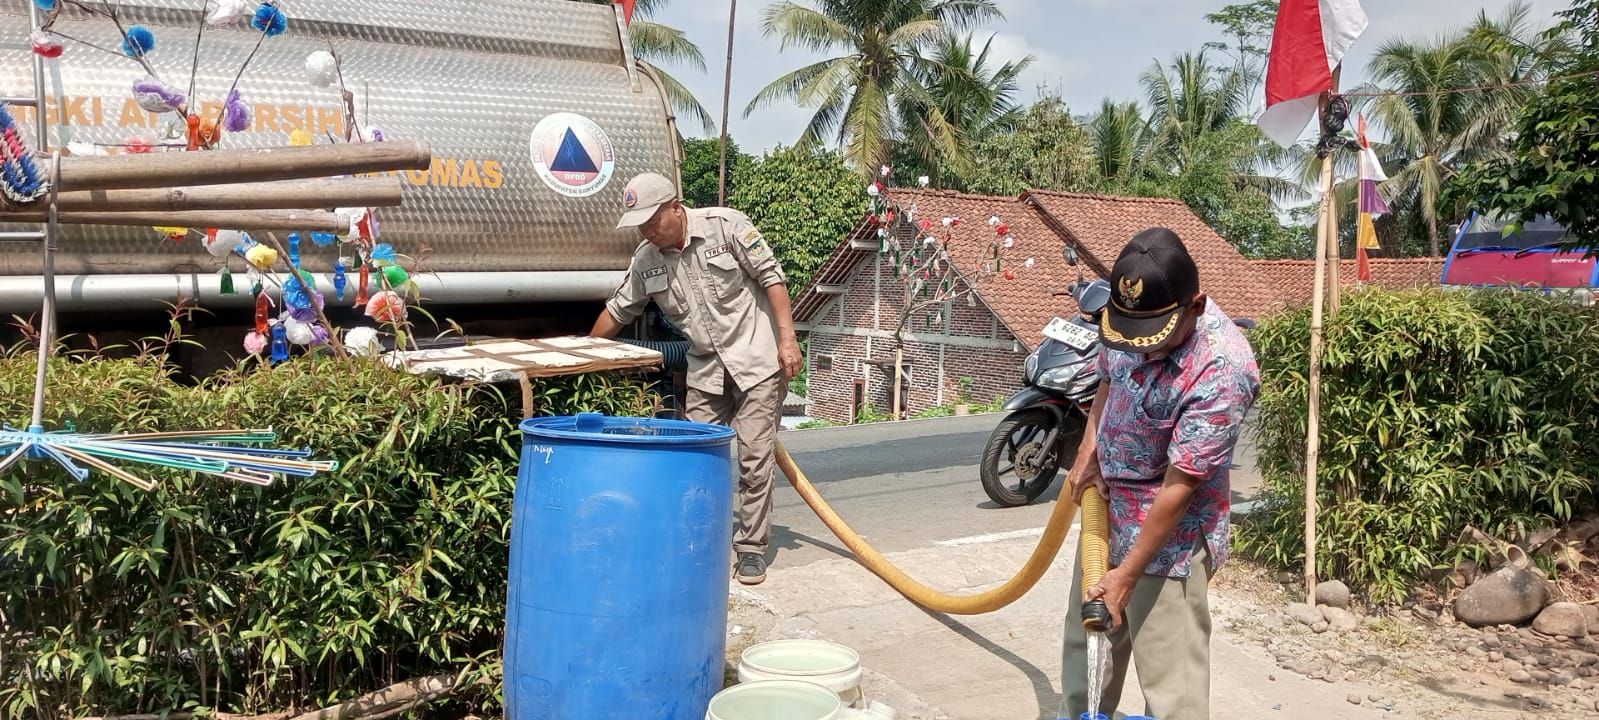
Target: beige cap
{"points": [[643, 196]]}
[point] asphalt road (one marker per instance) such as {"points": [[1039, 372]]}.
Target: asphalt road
{"points": [[910, 485]]}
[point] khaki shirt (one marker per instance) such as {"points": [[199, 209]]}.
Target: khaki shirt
{"points": [[715, 290]]}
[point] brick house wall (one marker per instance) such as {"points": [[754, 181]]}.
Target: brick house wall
{"points": [[855, 329]]}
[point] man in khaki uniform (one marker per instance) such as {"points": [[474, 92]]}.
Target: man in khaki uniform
{"points": [[713, 274]]}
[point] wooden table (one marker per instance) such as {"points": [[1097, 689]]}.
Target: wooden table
{"points": [[498, 360]]}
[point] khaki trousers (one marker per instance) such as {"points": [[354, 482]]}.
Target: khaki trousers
{"points": [[754, 415], [1167, 632]]}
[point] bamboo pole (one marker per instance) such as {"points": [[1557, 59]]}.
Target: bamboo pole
{"points": [[302, 220], [226, 167], [899, 380], [282, 195], [727, 97], [1325, 221], [1334, 252]]}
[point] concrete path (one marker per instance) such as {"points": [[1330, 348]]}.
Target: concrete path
{"points": [[911, 488], [1005, 665]]}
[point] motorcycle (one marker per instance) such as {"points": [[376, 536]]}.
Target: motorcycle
{"points": [[1047, 417]]}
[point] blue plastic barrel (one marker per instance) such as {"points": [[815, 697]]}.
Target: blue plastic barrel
{"points": [[621, 545]]}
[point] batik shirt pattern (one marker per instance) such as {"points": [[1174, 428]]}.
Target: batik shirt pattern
{"points": [[1186, 410]]}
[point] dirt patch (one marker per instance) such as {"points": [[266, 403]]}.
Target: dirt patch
{"points": [[1423, 663]]}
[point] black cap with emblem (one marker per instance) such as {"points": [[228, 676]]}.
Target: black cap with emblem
{"points": [[1151, 284]]}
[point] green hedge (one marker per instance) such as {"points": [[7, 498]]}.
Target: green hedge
{"points": [[206, 594], [1440, 410]]}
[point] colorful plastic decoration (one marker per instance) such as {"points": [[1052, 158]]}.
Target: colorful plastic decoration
{"points": [[46, 45], [321, 69], [280, 344], [360, 293], [227, 12], [297, 332], [262, 257], [294, 250], [395, 276], [362, 341], [263, 312], [138, 42], [20, 178], [156, 97], [236, 115], [340, 278], [383, 253], [270, 20], [254, 343], [386, 306]]}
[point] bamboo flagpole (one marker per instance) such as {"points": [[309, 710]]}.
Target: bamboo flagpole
{"points": [[1335, 284], [1294, 78], [1326, 229]]}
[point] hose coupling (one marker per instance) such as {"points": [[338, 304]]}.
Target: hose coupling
{"points": [[1097, 618]]}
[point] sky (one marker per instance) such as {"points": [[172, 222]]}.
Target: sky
{"points": [[1086, 50]]}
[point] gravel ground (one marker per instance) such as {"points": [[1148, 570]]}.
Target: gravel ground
{"points": [[1424, 664]]}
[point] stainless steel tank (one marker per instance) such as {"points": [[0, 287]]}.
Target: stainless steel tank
{"points": [[536, 112]]}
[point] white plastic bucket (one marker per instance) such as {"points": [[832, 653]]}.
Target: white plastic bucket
{"points": [[775, 700], [833, 666]]}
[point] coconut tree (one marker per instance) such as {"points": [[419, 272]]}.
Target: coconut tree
{"points": [[1516, 53], [655, 44], [1435, 114], [975, 98], [855, 94], [1433, 129], [1122, 142]]}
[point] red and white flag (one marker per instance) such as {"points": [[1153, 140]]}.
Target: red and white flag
{"points": [[1311, 39]]}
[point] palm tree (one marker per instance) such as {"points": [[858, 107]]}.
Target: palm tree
{"points": [[855, 94], [654, 43], [1192, 96], [976, 99], [1195, 108], [1122, 140], [1432, 130]]}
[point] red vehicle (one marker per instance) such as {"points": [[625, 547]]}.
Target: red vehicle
{"points": [[1483, 256]]}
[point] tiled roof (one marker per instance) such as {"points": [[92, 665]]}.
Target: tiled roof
{"points": [[1104, 223], [1023, 305], [835, 270], [1042, 223], [1294, 280]]}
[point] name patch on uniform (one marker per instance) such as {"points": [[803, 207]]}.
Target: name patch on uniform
{"points": [[755, 246], [722, 249], [654, 272]]}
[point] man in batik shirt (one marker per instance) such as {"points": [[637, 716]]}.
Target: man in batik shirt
{"points": [[1177, 377]]}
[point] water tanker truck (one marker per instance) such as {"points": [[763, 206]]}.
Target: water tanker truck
{"points": [[536, 111]]}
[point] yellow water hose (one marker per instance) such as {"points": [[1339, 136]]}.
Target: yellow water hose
{"points": [[1037, 564], [1096, 557]]}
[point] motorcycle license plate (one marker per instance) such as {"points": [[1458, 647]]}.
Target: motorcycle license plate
{"points": [[1074, 335]]}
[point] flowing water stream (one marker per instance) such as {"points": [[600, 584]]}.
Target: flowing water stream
{"points": [[1098, 670]]}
